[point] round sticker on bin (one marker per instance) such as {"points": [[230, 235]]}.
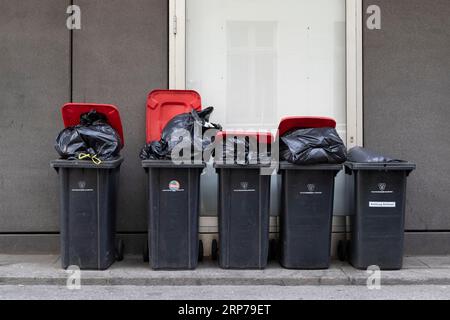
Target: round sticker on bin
{"points": [[174, 186]]}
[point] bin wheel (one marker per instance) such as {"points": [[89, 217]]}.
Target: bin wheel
{"points": [[343, 250], [273, 250], [214, 250], [119, 250], [145, 254], [200, 251]]}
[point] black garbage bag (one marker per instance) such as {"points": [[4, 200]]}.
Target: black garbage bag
{"points": [[180, 133], [362, 155], [244, 150], [156, 150], [313, 146], [93, 137]]}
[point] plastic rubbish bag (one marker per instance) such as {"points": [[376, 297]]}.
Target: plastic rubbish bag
{"points": [[181, 132], [362, 155], [244, 151], [313, 146], [93, 138]]}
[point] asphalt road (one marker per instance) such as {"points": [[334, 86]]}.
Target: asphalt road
{"points": [[225, 293]]}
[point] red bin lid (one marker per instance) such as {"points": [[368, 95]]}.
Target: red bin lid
{"points": [[261, 137], [71, 113], [290, 123], [164, 105]]}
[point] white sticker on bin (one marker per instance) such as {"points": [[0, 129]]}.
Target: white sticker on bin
{"points": [[382, 204], [244, 187]]}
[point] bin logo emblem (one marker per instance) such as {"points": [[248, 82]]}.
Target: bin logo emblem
{"points": [[311, 190], [174, 186], [382, 189], [244, 187], [82, 187]]}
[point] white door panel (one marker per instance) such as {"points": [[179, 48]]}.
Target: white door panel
{"points": [[257, 61]]}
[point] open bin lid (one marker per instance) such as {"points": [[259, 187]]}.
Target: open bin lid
{"points": [[261, 137], [164, 105], [71, 113], [291, 123]]}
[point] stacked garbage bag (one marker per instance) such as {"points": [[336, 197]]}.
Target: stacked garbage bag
{"points": [[312, 146], [184, 131], [92, 138], [244, 150]]}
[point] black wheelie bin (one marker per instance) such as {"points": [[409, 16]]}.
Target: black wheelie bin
{"points": [[173, 190], [244, 200], [376, 187], [307, 200], [88, 196]]}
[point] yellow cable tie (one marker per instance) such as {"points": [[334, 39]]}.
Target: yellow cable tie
{"points": [[84, 156], [96, 160]]}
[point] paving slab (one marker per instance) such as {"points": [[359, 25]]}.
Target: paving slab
{"points": [[441, 262], [46, 270]]}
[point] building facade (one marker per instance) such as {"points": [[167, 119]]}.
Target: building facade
{"points": [[380, 67]]}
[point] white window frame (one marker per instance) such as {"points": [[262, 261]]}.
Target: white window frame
{"points": [[354, 44], [177, 44], [355, 121]]}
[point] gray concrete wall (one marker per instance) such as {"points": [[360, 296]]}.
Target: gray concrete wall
{"points": [[407, 106], [34, 83], [119, 55]]}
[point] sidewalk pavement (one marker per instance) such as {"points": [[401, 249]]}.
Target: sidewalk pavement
{"points": [[46, 270], [228, 294]]}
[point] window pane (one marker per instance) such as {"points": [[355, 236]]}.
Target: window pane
{"points": [[257, 61]]}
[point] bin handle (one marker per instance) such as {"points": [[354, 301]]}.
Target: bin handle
{"points": [[94, 158]]}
